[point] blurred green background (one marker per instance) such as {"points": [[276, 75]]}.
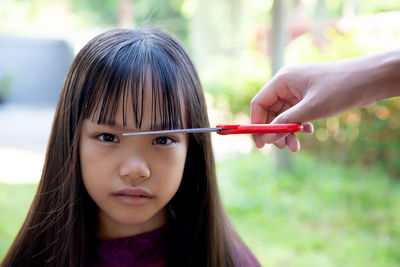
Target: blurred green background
{"points": [[336, 202]]}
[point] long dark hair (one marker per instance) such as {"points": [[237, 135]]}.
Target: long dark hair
{"points": [[59, 228]]}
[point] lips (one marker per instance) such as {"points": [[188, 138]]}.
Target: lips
{"points": [[138, 192], [137, 195], [133, 196]]}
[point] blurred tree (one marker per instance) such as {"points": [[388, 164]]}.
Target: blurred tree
{"points": [[279, 39], [228, 46], [319, 30], [364, 136], [96, 12], [166, 14], [216, 30], [230, 41]]}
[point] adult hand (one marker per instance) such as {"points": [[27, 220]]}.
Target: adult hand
{"points": [[309, 92]]}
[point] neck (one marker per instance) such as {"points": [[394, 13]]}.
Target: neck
{"points": [[109, 229]]}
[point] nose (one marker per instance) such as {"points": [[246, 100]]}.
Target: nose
{"points": [[134, 168]]}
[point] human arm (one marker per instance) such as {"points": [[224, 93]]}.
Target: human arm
{"points": [[308, 92]]}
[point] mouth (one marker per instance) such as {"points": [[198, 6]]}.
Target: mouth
{"points": [[134, 191], [129, 195], [133, 196]]}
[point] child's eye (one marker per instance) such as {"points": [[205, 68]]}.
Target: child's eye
{"points": [[163, 140], [106, 137]]}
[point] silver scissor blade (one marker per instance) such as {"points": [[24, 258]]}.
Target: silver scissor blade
{"points": [[192, 130]]}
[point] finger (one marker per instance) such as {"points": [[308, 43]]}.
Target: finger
{"points": [[284, 118], [258, 140], [272, 138], [260, 104], [297, 113], [262, 101], [308, 128], [293, 143], [281, 143], [267, 96], [258, 114]]}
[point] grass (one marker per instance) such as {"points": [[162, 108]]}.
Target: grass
{"points": [[314, 214], [15, 200]]}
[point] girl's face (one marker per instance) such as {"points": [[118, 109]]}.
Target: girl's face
{"points": [[130, 178]]}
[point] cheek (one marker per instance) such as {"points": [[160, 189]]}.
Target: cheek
{"points": [[86, 168], [94, 159], [169, 171], [87, 160], [93, 170]]}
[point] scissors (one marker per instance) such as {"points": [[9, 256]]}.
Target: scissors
{"points": [[225, 129]]}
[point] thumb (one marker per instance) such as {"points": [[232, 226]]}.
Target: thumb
{"points": [[299, 113], [296, 114]]}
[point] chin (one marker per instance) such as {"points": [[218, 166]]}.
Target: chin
{"points": [[132, 220], [140, 220]]}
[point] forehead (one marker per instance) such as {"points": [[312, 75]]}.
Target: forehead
{"points": [[147, 106], [133, 82]]}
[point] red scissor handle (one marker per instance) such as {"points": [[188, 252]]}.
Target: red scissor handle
{"points": [[259, 128]]}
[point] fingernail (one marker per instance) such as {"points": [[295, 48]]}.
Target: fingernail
{"points": [[259, 144]]}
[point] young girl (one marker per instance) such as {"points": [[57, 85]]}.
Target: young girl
{"points": [[106, 199]]}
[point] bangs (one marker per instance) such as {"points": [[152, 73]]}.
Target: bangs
{"points": [[128, 74]]}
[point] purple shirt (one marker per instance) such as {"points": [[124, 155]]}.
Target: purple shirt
{"points": [[145, 249]]}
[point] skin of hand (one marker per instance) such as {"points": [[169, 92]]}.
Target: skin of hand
{"points": [[308, 92]]}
